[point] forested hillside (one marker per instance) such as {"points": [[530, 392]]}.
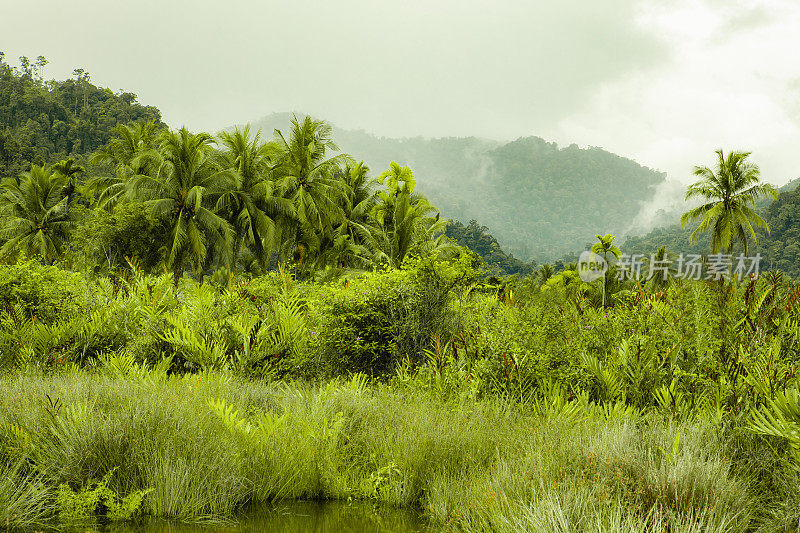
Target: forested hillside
{"points": [[478, 239], [44, 121], [540, 201]]}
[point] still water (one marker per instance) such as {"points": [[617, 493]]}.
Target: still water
{"points": [[294, 517]]}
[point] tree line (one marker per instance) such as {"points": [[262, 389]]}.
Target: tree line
{"points": [[233, 201]]}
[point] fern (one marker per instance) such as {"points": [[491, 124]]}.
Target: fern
{"points": [[781, 418], [610, 382]]}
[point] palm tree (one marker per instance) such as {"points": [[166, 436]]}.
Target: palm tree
{"points": [[604, 247], [129, 153], [545, 272], [660, 271], [70, 170], [359, 201], [729, 193], [348, 246], [37, 222], [305, 177], [183, 188], [252, 208], [405, 222]]}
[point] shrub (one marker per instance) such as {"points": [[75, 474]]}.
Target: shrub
{"points": [[45, 292], [371, 323]]}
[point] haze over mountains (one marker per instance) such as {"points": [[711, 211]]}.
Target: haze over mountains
{"points": [[539, 200]]}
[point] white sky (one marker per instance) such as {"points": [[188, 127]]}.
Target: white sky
{"points": [[665, 82]]}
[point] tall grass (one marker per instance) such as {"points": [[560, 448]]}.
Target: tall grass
{"points": [[208, 444]]}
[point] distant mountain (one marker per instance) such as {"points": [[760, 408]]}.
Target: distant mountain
{"points": [[540, 201]]}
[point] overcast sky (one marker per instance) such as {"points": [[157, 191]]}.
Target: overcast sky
{"points": [[663, 82]]}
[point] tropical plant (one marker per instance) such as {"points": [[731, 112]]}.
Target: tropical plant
{"points": [[37, 222], [70, 170], [728, 193], [405, 223], [308, 179], [128, 154], [251, 207], [604, 247], [186, 181]]}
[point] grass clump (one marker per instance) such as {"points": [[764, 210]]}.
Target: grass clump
{"points": [[201, 447]]}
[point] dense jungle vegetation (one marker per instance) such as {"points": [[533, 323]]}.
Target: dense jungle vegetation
{"points": [[192, 324]]}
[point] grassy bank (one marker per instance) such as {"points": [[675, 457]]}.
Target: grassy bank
{"points": [[200, 447]]}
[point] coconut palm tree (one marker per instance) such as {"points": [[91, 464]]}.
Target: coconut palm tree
{"points": [[70, 170], [359, 201], [308, 179], [251, 207], [405, 222], [37, 221], [728, 193], [186, 183], [129, 153]]}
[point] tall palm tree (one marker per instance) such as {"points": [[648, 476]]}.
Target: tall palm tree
{"points": [[604, 247], [129, 153], [728, 192], [251, 207], [405, 222], [183, 188], [308, 179], [37, 222], [348, 246], [358, 202]]}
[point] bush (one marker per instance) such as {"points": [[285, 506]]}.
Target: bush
{"points": [[371, 323], [44, 292]]}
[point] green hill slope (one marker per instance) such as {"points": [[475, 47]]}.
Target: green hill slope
{"points": [[45, 121]]}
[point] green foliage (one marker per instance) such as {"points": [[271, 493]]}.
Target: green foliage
{"points": [[44, 292], [479, 240], [97, 499], [104, 241], [526, 191], [225, 443], [729, 194], [36, 221], [42, 122], [372, 323]]}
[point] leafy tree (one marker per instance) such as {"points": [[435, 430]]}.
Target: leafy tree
{"points": [[183, 189], [70, 170], [478, 239], [41, 122], [728, 192], [105, 240], [405, 222], [37, 222], [128, 153]]}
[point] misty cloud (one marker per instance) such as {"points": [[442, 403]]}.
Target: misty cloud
{"points": [[664, 83]]}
